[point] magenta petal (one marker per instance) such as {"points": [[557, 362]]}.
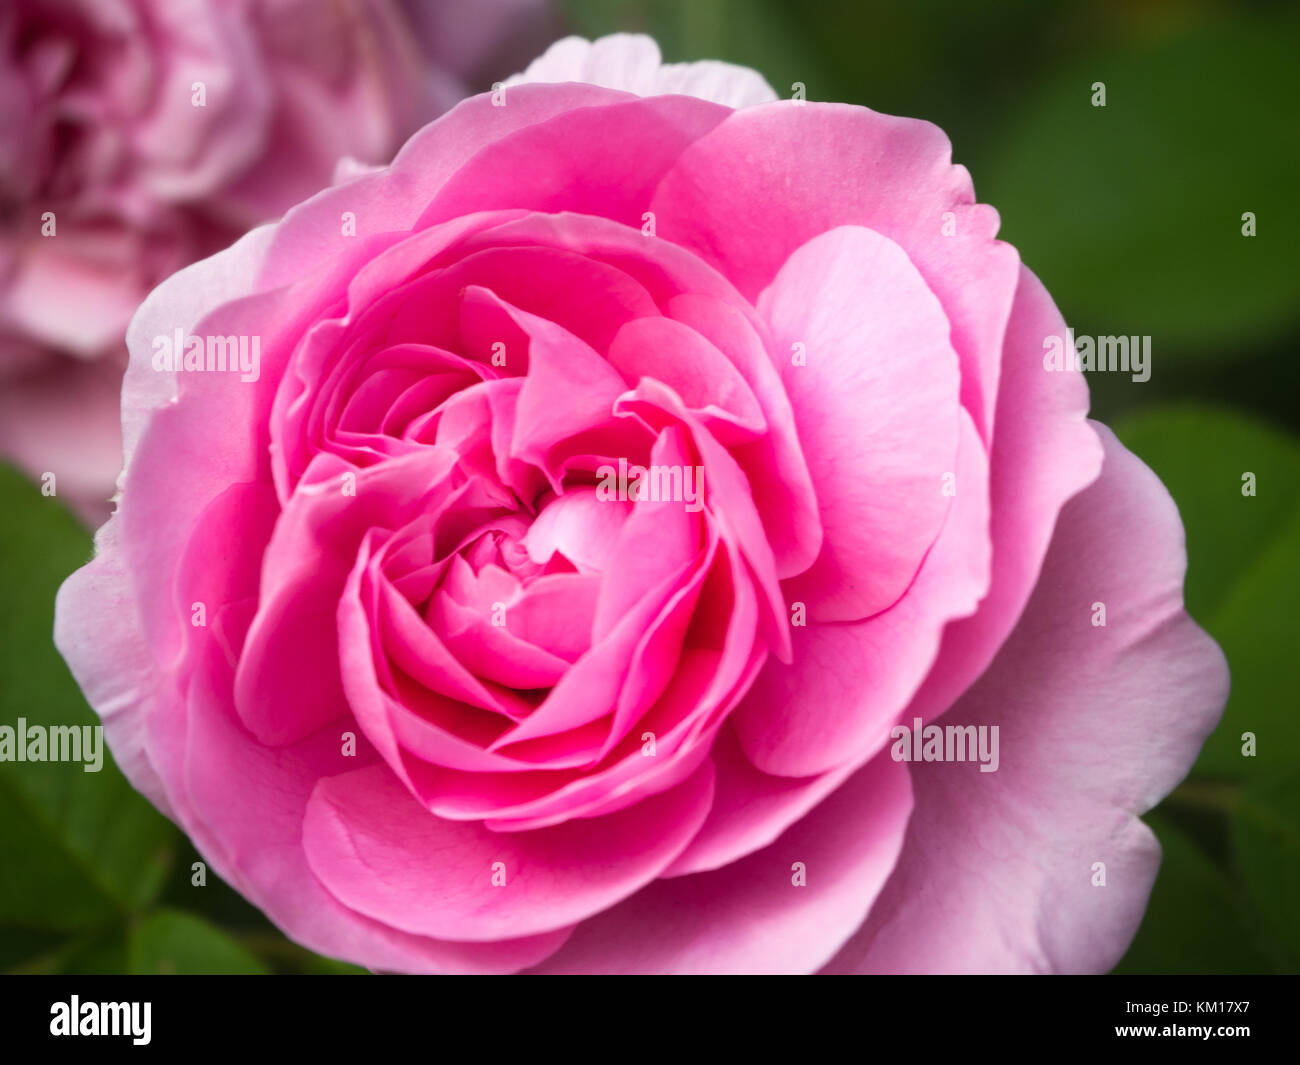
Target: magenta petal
{"points": [[581, 527], [659, 538], [556, 612], [589, 691], [691, 366], [305, 570], [491, 651], [569, 388], [774, 464], [589, 298]]}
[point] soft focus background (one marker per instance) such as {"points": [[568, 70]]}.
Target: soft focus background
{"points": [[1131, 214]]}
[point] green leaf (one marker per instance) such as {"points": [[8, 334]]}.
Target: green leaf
{"points": [[99, 953], [1266, 844], [1132, 213], [20, 948], [1200, 452], [77, 848], [315, 965], [1244, 564], [1256, 629], [169, 941], [103, 954], [220, 904], [285, 956], [1194, 923]]}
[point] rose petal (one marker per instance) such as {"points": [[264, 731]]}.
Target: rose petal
{"points": [[750, 917], [381, 853], [877, 411], [850, 680], [632, 62], [810, 167], [1096, 725]]}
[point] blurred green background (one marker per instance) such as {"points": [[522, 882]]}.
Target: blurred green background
{"points": [[1130, 213]]}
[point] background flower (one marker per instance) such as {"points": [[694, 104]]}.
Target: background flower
{"points": [[140, 136]]}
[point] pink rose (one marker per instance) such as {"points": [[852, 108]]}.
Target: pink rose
{"points": [[140, 135], [394, 628]]}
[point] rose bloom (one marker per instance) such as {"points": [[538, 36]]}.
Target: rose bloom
{"points": [[427, 669], [140, 135]]}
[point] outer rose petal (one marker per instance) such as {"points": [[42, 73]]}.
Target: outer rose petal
{"points": [[749, 917], [1043, 453], [379, 851], [551, 165], [392, 198], [632, 62], [110, 658], [180, 302], [1097, 724], [253, 835]]}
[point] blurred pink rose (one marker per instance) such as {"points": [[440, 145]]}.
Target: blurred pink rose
{"points": [[140, 135], [392, 625]]}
